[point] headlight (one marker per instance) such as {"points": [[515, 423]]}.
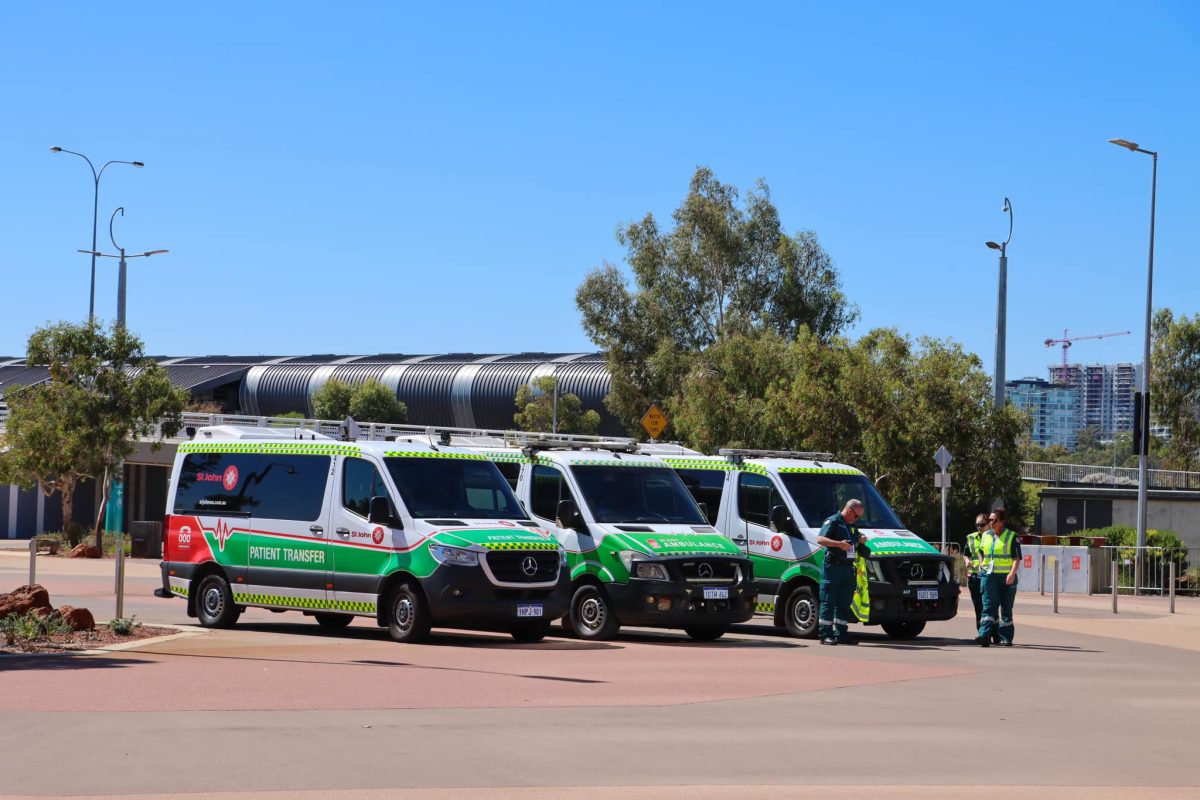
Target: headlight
{"points": [[454, 555], [875, 570], [640, 565], [650, 570]]}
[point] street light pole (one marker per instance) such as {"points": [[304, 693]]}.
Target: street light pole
{"points": [[120, 254], [1144, 445], [1001, 309], [95, 210]]}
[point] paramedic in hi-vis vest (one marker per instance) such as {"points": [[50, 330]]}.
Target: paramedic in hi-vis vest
{"points": [[1000, 555], [971, 557], [839, 536]]}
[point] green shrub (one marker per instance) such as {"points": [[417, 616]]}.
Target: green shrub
{"points": [[30, 626], [124, 626]]}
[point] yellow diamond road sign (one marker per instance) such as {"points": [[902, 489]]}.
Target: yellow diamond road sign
{"points": [[655, 421]]}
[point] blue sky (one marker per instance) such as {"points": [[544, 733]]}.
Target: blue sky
{"points": [[408, 178]]}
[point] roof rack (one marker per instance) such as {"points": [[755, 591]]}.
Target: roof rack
{"points": [[539, 440], [737, 454]]}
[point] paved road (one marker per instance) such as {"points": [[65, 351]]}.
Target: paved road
{"points": [[1089, 704]]}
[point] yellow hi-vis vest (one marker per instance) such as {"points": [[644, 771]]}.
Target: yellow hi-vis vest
{"points": [[997, 552], [973, 557], [860, 604]]}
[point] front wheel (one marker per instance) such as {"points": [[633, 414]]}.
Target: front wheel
{"points": [[706, 633], [531, 632], [408, 615], [800, 613], [592, 614], [214, 603], [903, 630]]}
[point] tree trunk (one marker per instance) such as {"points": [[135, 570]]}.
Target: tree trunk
{"points": [[99, 529], [67, 488]]}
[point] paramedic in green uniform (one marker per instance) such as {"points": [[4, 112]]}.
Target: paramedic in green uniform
{"points": [[839, 536], [971, 557], [1000, 555]]}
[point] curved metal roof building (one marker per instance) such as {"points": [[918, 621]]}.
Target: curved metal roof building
{"points": [[460, 389]]}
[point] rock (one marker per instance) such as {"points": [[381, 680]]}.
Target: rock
{"points": [[80, 619], [24, 599], [83, 550]]}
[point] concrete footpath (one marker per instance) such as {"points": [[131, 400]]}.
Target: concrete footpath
{"points": [[1087, 705]]}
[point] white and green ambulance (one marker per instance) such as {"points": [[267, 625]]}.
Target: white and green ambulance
{"points": [[771, 505], [410, 533], [639, 549]]}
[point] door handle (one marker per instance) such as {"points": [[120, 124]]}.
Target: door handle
{"points": [[316, 529], [741, 540], [343, 532]]}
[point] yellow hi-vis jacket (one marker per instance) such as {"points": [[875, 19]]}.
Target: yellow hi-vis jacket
{"points": [[973, 557], [997, 552]]}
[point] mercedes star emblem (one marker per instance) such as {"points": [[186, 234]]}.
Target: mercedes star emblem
{"points": [[529, 566], [705, 570], [916, 572]]}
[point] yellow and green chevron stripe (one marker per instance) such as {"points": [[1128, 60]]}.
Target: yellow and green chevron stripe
{"points": [[272, 448]]}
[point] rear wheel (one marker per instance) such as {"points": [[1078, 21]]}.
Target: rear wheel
{"points": [[333, 622], [903, 630], [800, 612], [214, 603], [592, 614], [706, 633], [408, 615], [531, 631]]}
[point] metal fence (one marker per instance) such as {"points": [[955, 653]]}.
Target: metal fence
{"points": [[1107, 476], [1146, 570]]}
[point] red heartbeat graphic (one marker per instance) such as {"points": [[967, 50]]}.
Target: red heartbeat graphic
{"points": [[223, 533]]}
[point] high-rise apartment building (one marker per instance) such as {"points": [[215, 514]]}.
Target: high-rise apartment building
{"points": [[1105, 394], [1054, 409]]}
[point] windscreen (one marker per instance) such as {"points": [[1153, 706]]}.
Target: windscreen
{"points": [[637, 494], [455, 488], [821, 495]]}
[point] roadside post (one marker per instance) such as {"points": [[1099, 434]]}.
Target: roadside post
{"points": [[1042, 577], [33, 560], [114, 516], [942, 480], [1054, 562], [1171, 589], [654, 422], [1114, 584]]}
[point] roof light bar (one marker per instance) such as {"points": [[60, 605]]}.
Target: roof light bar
{"points": [[569, 441]]}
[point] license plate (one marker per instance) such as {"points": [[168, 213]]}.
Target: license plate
{"points": [[529, 610], [716, 593], [927, 594]]}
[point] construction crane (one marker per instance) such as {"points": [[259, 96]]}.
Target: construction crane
{"points": [[1066, 342]]}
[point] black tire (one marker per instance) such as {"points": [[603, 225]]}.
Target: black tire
{"points": [[592, 615], [214, 602], [706, 633], [800, 613], [531, 632], [408, 615], [903, 630], [333, 622]]}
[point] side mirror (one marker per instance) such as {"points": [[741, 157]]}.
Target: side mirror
{"points": [[568, 516], [704, 510], [380, 513], [781, 520]]}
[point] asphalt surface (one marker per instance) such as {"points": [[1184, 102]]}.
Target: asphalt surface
{"points": [[1086, 705]]}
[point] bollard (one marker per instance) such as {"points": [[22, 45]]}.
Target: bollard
{"points": [[1054, 561], [32, 560], [1171, 591], [1042, 577], [1114, 585]]}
